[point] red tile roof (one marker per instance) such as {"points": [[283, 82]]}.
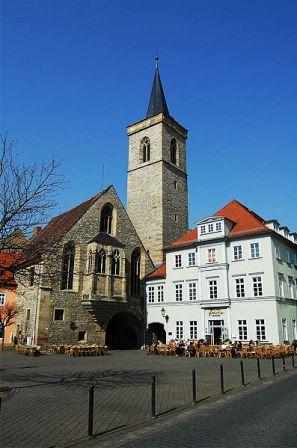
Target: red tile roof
{"points": [[8, 261], [187, 239], [159, 272]]}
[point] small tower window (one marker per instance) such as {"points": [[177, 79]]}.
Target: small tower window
{"points": [[173, 150], [115, 265], [175, 184], [101, 261], [175, 217], [145, 150], [106, 219], [135, 272]]}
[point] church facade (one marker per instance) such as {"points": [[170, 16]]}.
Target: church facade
{"points": [[88, 283]]}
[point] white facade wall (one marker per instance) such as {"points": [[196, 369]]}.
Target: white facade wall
{"points": [[228, 309]]}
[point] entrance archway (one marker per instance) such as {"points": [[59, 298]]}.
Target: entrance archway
{"points": [[156, 332], [123, 332]]}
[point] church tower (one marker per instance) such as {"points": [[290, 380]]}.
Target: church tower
{"points": [[157, 196]]}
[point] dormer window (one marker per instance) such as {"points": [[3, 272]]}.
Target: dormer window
{"points": [[275, 227], [202, 230], [210, 228], [218, 227]]}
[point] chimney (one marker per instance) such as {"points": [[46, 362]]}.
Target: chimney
{"points": [[37, 230]]}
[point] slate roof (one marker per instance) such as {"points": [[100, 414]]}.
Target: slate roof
{"points": [[106, 240], [157, 102]]}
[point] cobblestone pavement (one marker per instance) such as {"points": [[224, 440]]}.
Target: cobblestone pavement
{"points": [[265, 418], [48, 405]]}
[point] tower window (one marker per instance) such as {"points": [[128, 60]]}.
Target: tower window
{"points": [[175, 217], [175, 184], [68, 266], [106, 219], [173, 150], [145, 150], [115, 265], [135, 271]]}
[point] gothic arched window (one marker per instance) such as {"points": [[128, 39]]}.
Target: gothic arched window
{"points": [[106, 219], [135, 271], [90, 261], [101, 261], [115, 265], [145, 150], [68, 266], [173, 151]]}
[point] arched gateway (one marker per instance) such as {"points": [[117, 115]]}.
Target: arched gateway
{"points": [[123, 332]]}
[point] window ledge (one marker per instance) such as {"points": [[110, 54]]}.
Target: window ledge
{"points": [[192, 266], [178, 267], [240, 259], [254, 258]]}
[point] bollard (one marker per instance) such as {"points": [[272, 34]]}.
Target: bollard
{"points": [[273, 365], [258, 368], [153, 396], [91, 411], [293, 361], [242, 373], [194, 386], [284, 363], [222, 378]]}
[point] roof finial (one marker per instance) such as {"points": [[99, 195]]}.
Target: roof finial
{"points": [[157, 59]]}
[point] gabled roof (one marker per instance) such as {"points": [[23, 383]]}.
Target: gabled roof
{"points": [[187, 239], [158, 273], [157, 102], [8, 261], [61, 224], [106, 240]]}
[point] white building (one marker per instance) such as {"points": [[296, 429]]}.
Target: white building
{"points": [[234, 275]]}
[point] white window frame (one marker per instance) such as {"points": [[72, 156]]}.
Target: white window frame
{"points": [[178, 292], [178, 261], [212, 255], [192, 259], [242, 330], [284, 328], [260, 330], [255, 250], [281, 285], [291, 288], [151, 294], [210, 228], [179, 329], [277, 251], [239, 287], [160, 293], [257, 285], [2, 298], [193, 329], [237, 253], [203, 230], [218, 226], [294, 328], [213, 288], [192, 291]]}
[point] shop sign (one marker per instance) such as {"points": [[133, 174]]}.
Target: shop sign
{"points": [[215, 313]]}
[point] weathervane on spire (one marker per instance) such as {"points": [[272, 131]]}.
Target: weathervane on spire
{"points": [[157, 59]]}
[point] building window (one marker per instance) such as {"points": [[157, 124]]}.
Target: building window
{"points": [[257, 286], [255, 252], [202, 230], [68, 266], [242, 330], [135, 272], [277, 251], [192, 291], [288, 257], [58, 314], [281, 285], [179, 329], [115, 263], [260, 330], [31, 276], [291, 288], [178, 261], [82, 336], [218, 227], [213, 289], [193, 329], [191, 259], [285, 329], [294, 323], [237, 253], [28, 314], [90, 261], [173, 151], [175, 184], [212, 256], [160, 293], [178, 292], [106, 219], [239, 283], [175, 217], [151, 294], [101, 261], [210, 228], [2, 298], [145, 150]]}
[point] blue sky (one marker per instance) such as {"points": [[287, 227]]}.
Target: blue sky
{"points": [[75, 73]]}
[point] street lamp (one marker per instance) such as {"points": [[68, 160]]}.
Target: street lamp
{"points": [[163, 312]]}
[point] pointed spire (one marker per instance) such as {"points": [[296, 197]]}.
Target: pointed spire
{"points": [[157, 102]]}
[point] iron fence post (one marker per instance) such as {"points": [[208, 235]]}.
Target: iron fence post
{"points": [[242, 373], [194, 386], [222, 378], [153, 396], [284, 363], [258, 368], [91, 411], [293, 361], [273, 365]]}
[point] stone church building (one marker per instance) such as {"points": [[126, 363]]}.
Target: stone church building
{"points": [[87, 284]]}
